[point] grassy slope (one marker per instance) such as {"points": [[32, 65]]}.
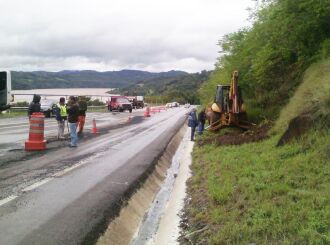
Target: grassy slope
{"points": [[257, 193], [313, 92]]}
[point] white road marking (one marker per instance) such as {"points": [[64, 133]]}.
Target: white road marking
{"points": [[79, 164], [7, 199], [37, 184], [66, 170], [119, 183]]}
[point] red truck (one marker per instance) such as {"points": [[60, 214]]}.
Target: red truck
{"points": [[119, 103]]}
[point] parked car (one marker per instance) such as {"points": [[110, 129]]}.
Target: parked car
{"points": [[172, 104], [119, 103], [175, 104], [48, 107]]}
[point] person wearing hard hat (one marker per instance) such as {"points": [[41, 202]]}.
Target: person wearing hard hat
{"points": [[61, 116]]}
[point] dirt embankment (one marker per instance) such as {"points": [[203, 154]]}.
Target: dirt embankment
{"points": [[236, 136], [300, 125]]}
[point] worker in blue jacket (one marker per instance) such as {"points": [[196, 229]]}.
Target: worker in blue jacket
{"points": [[192, 123]]}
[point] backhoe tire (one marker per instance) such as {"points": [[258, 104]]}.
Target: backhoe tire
{"points": [[214, 118]]}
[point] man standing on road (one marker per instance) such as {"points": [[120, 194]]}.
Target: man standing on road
{"points": [[73, 113], [61, 116], [192, 122], [82, 113], [34, 105]]}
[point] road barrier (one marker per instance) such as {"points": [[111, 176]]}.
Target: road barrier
{"points": [[36, 141], [157, 109]]}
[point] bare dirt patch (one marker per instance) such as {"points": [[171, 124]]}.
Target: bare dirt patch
{"points": [[236, 136]]}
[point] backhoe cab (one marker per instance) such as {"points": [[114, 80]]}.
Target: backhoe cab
{"points": [[228, 107]]}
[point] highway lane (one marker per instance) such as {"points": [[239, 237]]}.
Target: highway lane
{"points": [[14, 131], [67, 196]]}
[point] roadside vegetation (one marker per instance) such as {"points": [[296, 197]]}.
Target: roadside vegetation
{"points": [[271, 56], [246, 190], [270, 184], [84, 79], [256, 193], [182, 89], [11, 114]]}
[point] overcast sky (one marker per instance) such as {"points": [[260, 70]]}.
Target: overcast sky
{"points": [[151, 35]]}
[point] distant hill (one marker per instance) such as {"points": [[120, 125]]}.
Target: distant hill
{"points": [[85, 78], [183, 88]]}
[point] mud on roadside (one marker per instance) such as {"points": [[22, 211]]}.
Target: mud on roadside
{"points": [[236, 136]]}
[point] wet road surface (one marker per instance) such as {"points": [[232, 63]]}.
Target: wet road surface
{"points": [[14, 131], [69, 195]]}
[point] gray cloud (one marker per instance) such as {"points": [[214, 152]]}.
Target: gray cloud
{"points": [[116, 34]]}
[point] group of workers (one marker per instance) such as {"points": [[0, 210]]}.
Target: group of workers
{"points": [[194, 121], [74, 112]]}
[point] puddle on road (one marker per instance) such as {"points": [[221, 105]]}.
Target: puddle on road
{"points": [[7, 149]]}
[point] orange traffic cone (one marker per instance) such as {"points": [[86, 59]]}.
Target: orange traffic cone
{"points": [[94, 129], [129, 117], [147, 112]]}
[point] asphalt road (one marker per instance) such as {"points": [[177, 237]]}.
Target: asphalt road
{"points": [[15, 131], [67, 196]]}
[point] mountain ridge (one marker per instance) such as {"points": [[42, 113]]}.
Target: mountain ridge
{"points": [[85, 78]]}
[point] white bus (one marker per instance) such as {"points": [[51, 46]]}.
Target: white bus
{"points": [[5, 90]]}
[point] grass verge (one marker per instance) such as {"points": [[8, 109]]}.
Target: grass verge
{"points": [[12, 114], [259, 194], [256, 193]]}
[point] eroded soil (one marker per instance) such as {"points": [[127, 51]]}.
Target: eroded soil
{"points": [[236, 136]]}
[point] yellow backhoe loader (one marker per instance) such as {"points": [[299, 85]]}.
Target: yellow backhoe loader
{"points": [[228, 108]]}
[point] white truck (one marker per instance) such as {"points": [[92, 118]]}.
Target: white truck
{"points": [[5, 90], [137, 101]]}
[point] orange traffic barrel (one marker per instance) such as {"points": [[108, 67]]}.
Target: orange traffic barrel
{"points": [[36, 141]]}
